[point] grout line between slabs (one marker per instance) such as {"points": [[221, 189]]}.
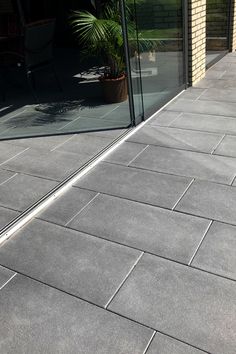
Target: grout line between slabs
{"points": [[178, 116], [123, 281], [201, 94], [8, 281], [80, 211], [57, 146], [150, 342], [218, 144], [108, 310], [200, 243], [13, 157], [183, 194], [234, 180], [8, 179], [202, 113], [137, 155]]}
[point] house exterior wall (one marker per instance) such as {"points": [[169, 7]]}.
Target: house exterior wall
{"points": [[232, 44], [197, 40]]}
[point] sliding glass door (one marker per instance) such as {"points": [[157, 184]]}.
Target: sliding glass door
{"points": [[157, 55], [51, 67], [69, 66], [217, 29]]}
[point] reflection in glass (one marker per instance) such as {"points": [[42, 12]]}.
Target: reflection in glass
{"points": [[46, 85], [159, 58], [217, 14]]}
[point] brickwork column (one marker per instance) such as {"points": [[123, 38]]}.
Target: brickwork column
{"points": [[197, 40], [232, 44]]}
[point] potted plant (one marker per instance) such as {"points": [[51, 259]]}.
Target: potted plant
{"points": [[101, 36]]}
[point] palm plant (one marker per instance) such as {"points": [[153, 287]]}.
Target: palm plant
{"points": [[102, 36]]}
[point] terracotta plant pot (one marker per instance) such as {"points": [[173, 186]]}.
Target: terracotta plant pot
{"points": [[114, 90]]}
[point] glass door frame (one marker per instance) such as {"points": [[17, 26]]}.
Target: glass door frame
{"points": [[146, 114]]}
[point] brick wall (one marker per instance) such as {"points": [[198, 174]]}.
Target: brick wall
{"points": [[232, 46], [197, 40]]}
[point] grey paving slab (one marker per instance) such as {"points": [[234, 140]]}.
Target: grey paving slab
{"points": [[217, 253], [135, 184], [5, 276], [192, 93], [164, 118], [204, 107], [22, 191], [177, 138], [211, 200], [85, 144], [125, 153], [228, 74], [55, 165], [9, 151], [214, 74], [220, 94], [204, 122], [227, 147], [6, 216], [187, 163], [82, 265], [148, 228], [163, 344], [186, 303], [5, 175], [40, 319], [65, 207], [46, 142], [209, 83]]}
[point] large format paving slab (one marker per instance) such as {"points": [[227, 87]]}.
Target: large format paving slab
{"points": [[187, 163], [6, 216], [217, 251], [21, 197], [188, 304], [227, 147], [203, 107], [40, 319], [135, 184], [177, 138], [204, 122], [210, 200], [82, 265], [167, 345], [5, 276], [66, 206], [155, 230]]}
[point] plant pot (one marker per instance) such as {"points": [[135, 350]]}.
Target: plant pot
{"points": [[114, 90]]}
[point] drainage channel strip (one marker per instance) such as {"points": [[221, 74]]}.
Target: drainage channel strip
{"points": [[62, 187]]}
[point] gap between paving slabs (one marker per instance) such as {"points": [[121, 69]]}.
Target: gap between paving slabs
{"points": [[7, 231]]}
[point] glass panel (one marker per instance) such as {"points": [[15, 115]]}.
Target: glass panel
{"points": [[216, 29], [131, 34], [160, 57], [50, 70]]}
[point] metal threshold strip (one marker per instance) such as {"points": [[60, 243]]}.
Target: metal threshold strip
{"points": [[62, 187]]}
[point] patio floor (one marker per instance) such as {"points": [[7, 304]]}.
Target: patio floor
{"points": [[138, 257]]}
